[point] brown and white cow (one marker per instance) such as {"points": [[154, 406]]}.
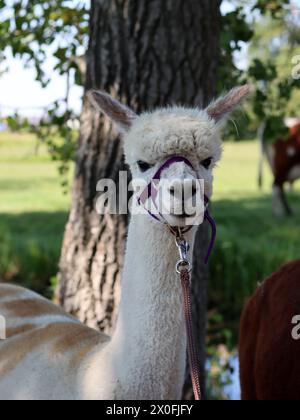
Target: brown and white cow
{"points": [[284, 159]]}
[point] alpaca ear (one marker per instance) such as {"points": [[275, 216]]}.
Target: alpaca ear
{"points": [[120, 114], [224, 106]]}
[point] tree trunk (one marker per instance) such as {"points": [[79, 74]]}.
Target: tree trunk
{"points": [[147, 53]]}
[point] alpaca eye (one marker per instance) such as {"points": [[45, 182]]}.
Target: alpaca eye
{"points": [[144, 166], [207, 163]]}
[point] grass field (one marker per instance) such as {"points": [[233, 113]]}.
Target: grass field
{"points": [[251, 242], [33, 212]]}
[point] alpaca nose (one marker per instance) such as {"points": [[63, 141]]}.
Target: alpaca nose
{"points": [[172, 191], [184, 189], [176, 190]]}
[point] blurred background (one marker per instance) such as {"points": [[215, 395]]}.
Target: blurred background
{"points": [[47, 60]]}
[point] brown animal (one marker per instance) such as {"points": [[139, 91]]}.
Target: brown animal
{"points": [[269, 339], [284, 159]]}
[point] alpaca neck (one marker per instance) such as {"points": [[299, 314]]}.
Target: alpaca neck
{"points": [[148, 348]]}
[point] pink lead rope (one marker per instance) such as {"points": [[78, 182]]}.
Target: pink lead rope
{"points": [[183, 266], [192, 350], [184, 269]]}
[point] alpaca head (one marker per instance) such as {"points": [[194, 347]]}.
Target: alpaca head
{"points": [[153, 137]]}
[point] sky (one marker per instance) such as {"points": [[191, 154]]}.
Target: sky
{"points": [[19, 89]]}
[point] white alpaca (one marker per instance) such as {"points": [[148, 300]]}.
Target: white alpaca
{"points": [[50, 355]]}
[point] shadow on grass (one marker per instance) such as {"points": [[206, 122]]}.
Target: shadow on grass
{"points": [[252, 218], [30, 248], [251, 244]]}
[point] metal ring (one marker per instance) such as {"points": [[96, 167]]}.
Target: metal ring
{"points": [[183, 265]]}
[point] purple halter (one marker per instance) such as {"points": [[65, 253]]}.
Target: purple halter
{"points": [[152, 192]]}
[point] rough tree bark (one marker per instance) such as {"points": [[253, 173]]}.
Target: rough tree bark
{"points": [[146, 53]]}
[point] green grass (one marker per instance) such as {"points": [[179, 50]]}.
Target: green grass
{"points": [[28, 182], [33, 212], [251, 242]]}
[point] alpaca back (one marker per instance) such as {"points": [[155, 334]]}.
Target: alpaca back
{"points": [[44, 350]]}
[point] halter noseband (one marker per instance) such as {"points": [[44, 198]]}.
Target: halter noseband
{"points": [[151, 192]]}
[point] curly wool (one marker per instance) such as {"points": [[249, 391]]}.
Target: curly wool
{"points": [[175, 130]]}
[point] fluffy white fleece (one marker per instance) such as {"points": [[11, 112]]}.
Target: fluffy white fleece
{"points": [[146, 357], [175, 130]]}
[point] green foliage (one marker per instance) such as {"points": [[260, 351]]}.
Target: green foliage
{"points": [[271, 51], [57, 133], [16, 123], [272, 7], [275, 128], [219, 372], [29, 29], [274, 36], [235, 31]]}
